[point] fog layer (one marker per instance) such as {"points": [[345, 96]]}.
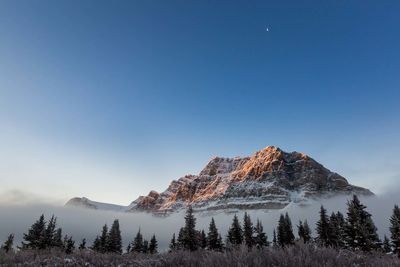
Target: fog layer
{"points": [[83, 223]]}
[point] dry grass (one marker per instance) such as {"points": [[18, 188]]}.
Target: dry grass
{"points": [[295, 256]]}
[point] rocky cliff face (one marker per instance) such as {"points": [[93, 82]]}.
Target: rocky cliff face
{"points": [[269, 179]]}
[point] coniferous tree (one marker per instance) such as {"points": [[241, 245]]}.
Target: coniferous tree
{"points": [[220, 244], [281, 231], [386, 247], [213, 237], [360, 229], [172, 244], [180, 238], [34, 238], [69, 244], [274, 240], [82, 245], [190, 235], [145, 246], [103, 240], [248, 230], [202, 240], [128, 248], [289, 229], [153, 245], [261, 239], [8, 244], [395, 230], [137, 245], [114, 240], [285, 234], [323, 228], [57, 239], [235, 232], [96, 246]]}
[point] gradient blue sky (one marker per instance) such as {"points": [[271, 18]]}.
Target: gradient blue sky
{"points": [[110, 99]]}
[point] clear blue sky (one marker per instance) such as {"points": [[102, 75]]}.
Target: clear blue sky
{"points": [[110, 99]]}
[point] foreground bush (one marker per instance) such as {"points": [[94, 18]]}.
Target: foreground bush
{"points": [[297, 255]]}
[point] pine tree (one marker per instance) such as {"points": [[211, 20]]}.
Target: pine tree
{"points": [[96, 246], [34, 238], [180, 238], [285, 234], [274, 240], [137, 245], [202, 240], [103, 240], [82, 245], [190, 240], [212, 237], [145, 247], [248, 230], [260, 239], [153, 245], [360, 229], [47, 241], [301, 231], [114, 240], [386, 247], [172, 244], [57, 239], [323, 228], [69, 245], [289, 229], [8, 244], [128, 248], [395, 230], [235, 232]]}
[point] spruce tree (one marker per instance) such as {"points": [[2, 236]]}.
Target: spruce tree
{"points": [[153, 245], [212, 238], [47, 241], [395, 230], [34, 238], [57, 239], [285, 234], [301, 231], [190, 240], [69, 244], [96, 246], [360, 229], [289, 230], [8, 244], [114, 240], [274, 240], [202, 239], [323, 228], [235, 232], [248, 230], [172, 244], [260, 238], [103, 240], [180, 238], [145, 246], [386, 247], [137, 245], [281, 231], [82, 245], [128, 248]]}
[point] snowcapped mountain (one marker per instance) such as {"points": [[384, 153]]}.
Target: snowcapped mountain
{"points": [[269, 179]]}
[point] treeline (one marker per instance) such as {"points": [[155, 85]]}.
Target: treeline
{"points": [[353, 231]]}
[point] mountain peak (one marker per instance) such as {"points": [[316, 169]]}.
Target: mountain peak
{"points": [[266, 180]]}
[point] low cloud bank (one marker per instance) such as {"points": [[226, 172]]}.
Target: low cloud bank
{"points": [[82, 223]]}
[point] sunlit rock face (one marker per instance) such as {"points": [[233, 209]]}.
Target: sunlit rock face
{"points": [[269, 179]]}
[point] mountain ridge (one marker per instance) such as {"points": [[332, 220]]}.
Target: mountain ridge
{"points": [[269, 179]]}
